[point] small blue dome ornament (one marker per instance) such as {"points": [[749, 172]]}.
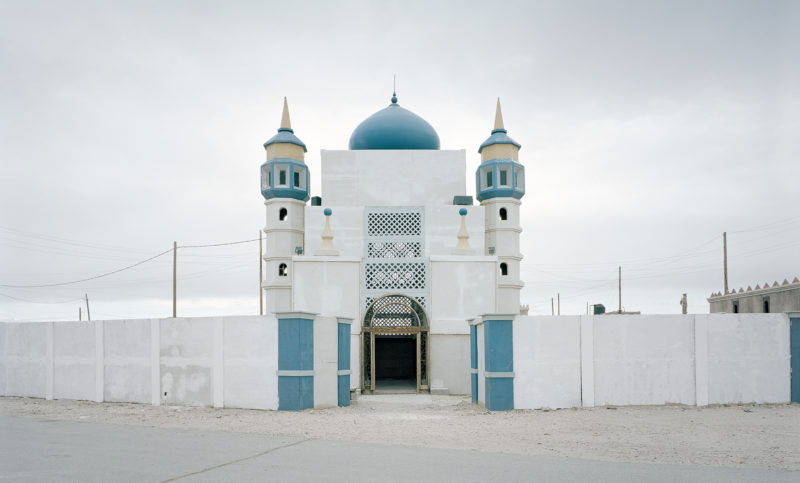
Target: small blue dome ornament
{"points": [[462, 212], [327, 211]]}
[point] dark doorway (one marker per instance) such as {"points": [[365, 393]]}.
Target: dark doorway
{"points": [[394, 345], [396, 362]]}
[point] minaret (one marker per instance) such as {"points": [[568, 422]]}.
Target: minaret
{"points": [[285, 186], [500, 185]]}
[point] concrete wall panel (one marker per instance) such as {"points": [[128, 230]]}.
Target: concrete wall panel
{"points": [[547, 362], [26, 359], [644, 359], [127, 361], [449, 361], [187, 349], [326, 356], [251, 362], [74, 360], [748, 358]]}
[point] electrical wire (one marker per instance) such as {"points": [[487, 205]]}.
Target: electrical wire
{"points": [[219, 244], [35, 302], [90, 278]]}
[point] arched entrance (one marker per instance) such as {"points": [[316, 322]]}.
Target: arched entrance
{"points": [[395, 345]]}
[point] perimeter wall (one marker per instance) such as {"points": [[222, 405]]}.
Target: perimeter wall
{"points": [[212, 361], [571, 361], [300, 360]]}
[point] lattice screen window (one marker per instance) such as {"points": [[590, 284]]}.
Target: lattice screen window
{"points": [[394, 224], [394, 254], [394, 249], [395, 276]]}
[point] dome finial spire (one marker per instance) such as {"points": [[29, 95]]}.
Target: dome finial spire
{"points": [[394, 89], [498, 118], [286, 123]]}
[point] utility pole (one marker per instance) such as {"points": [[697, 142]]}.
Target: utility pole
{"points": [[619, 288], [174, 278], [79, 314], [725, 259], [88, 314], [260, 273], [559, 303], [552, 310]]}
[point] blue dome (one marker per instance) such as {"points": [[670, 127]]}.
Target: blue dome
{"points": [[394, 128]]}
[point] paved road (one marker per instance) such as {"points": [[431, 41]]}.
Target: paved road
{"points": [[43, 450]]}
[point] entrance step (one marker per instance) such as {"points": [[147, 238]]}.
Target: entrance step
{"points": [[396, 398]]}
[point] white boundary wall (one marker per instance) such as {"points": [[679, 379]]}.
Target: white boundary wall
{"points": [[570, 361], [564, 361], [212, 361]]}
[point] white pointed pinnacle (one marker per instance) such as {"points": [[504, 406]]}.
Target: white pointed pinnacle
{"points": [[285, 121], [327, 248], [463, 248], [498, 117]]}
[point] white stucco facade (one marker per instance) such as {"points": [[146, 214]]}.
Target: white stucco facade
{"points": [[368, 197]]}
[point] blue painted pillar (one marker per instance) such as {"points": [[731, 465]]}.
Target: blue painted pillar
{"points": [[343, 367], [473, 360], [295, 360], [794, 351], [499, 362]]}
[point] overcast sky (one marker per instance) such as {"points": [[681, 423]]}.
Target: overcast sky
{"points": [[647, 129]]}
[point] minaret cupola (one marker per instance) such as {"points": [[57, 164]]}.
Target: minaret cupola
{"points": [[500, 173], [285, 175]]}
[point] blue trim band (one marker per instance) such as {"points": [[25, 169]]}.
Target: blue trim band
{"points": [[513, 188], [499, 136], [287, 136]]}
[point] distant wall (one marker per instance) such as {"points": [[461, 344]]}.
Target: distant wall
{"points": [[779, 298]]}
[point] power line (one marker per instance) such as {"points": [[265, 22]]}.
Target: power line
{"points": [[37, 302], [127, 267], [218, 244], [90, 278]]}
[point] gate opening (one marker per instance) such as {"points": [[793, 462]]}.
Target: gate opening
{"points": [[394, 345]]}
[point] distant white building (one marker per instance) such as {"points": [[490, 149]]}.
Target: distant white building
{"points": [[396, 245], [775, 298]]}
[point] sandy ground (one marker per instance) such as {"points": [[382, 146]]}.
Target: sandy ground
{"points": [[758, 436]]}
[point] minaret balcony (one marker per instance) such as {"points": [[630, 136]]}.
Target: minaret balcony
{"points": [[285, 178], [500, 178]]}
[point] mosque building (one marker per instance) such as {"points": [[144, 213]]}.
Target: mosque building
{"points": [[395, 246], [392, 280]]}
